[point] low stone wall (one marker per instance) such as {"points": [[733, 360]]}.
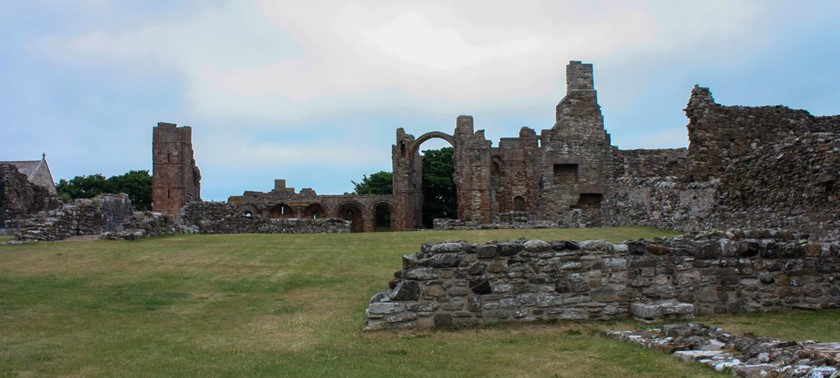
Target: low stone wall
{"points": [[93, 216], [461, 284], [223, 218]]}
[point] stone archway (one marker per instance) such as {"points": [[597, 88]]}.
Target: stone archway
{"points": [[352, 211], [408, 177], [471, 155], [281, 211], [315, 211]]}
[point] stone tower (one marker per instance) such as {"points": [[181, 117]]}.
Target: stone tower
{"points": [[176, 180]]}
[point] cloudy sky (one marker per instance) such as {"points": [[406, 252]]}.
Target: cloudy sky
{"points": [[313, 91]]}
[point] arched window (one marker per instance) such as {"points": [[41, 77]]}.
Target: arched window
{"points": [[247, 214]]}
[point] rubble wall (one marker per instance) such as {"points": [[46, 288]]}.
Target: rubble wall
{"points": [[792, 184], [224, 218], [461, 284], [94, 216], [20, 198]]}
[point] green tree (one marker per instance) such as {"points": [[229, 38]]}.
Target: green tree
{"points": [[82, 187], [440, 198], [378, 183], [137, 184]]}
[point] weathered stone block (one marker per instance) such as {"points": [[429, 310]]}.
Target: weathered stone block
{"points": [[406, 291]]}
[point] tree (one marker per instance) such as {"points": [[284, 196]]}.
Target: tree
{"points": [[137, 184], [82, 187], [440, 197], [378, 183]]}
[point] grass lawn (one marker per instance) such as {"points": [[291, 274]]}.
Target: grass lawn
{"points": [[279, 305]]}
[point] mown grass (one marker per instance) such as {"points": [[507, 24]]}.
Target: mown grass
{"points": [[291, 305]]}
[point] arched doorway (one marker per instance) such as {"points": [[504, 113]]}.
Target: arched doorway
{"points": [[351, 212], [382, 216], [421, 199], [281, 211], [315, 211]]}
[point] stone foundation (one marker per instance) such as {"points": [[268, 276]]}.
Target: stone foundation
{"points": [[461, 284], [744, 356]]}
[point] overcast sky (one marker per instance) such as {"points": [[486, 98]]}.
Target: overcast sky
{"points": [[313, 91]]}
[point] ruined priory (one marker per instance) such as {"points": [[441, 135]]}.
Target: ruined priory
{"points": [[768, 166], [745, 167]]}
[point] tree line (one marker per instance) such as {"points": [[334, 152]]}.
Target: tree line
{"points": [[137, 184]]}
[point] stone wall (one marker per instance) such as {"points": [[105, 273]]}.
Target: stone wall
{"points": [[103, 213], [719, 134], [462, 284], [20, 198], [662, 202], [790, 184], [224, 218], [665, 162]]}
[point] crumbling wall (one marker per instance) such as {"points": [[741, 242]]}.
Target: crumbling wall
{"points": [[719, 135], [462, 284], [668, 162], [767, 166], [94, 216], [662, 202], [224, 218], [20, 198]]}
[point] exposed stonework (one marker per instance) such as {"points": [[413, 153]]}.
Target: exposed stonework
{"points": [[782, 179], [564, 169], [744, 167], [20, 196], [463, 284], [284, 203], [744, 356], [175, 177], [225, 218], [103, 213]]}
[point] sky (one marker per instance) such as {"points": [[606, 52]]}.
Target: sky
{"points": [[313, 91]]}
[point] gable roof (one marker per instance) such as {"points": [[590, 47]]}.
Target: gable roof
{"points": [[37, 172]]}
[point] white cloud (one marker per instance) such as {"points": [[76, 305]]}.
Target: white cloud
{"points": [[283, 60]]}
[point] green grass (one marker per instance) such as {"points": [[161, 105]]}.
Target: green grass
{"points": [[291, 305]]}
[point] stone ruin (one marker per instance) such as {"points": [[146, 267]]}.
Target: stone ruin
{"points": [[31, 209], [753, 167], [459, 284], [745, 167], [744, 356]]}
